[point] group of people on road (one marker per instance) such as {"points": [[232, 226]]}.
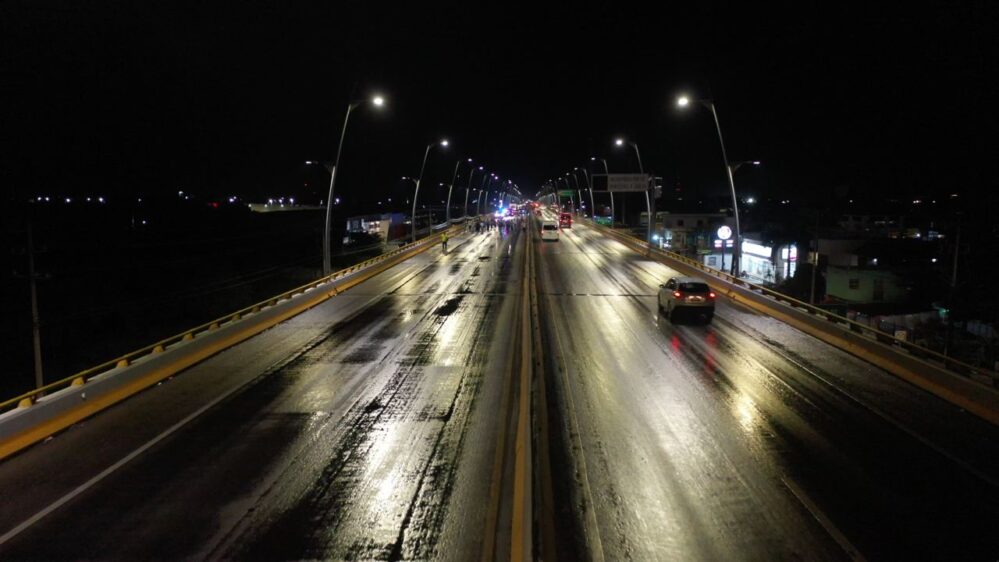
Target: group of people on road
{"points": [[486, 226]]}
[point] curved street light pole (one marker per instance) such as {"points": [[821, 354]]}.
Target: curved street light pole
{"points": [[589, 187], [683, 101], [464, 211], [648, 201], [423, 167], [329, 200], [450, 187], [579, 192], [611, 193], [482, 190], [737, 254], [378, 101]]}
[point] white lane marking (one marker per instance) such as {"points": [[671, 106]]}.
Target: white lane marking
{"points": [[111, 469], [824, 521], [27, 523]]}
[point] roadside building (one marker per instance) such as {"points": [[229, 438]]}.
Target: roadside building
{"points": [[387, 226]]}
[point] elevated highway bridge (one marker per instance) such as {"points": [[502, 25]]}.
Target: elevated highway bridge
{"points": [[507, 399]]}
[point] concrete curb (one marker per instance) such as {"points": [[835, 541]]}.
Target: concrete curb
{"points": [[961, 391], [24, 426]]}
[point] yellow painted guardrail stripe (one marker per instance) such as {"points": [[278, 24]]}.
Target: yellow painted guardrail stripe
{"points": [[184, 361], [975, 397]]}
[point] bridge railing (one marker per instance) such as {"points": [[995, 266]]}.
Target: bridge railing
{"points": [[78, 379], [949, 363]]}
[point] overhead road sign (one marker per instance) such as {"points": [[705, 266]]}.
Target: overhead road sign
{"points": [[621, 183]]}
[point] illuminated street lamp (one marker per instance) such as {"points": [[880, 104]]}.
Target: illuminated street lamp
{"points": [[575, 180], [589, 187], [684, 101], [426, 154], [450, 187], [377, 101], [606, 173], [484, 192], [648, 201], [464, 211]]}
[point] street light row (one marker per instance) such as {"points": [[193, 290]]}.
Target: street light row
{"points": [[379, 101], [730, 169]]}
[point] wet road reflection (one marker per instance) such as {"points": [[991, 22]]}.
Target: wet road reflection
{"points": [[728, 441], [351, 447]]}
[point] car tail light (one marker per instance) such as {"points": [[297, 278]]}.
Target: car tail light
{"points": [[711, 295], [677, 294]]}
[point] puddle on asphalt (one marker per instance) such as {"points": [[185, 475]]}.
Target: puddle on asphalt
{"points": [[363, 354], [449, 307]]}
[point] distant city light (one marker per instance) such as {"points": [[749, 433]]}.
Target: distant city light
{"points": [[934, 260], [378, 100], [619, 142], [683, 101], [68, 200]]}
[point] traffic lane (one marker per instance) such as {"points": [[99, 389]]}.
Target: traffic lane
{"points": [[204, 466], [944, 427], [60, 464], [668, 469], [880, 480]]}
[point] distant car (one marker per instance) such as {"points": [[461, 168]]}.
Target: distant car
{"points": [[565, 220], [549, 230], [688, 295]]}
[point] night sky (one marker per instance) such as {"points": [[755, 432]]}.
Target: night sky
{"points": [[122, 98]]}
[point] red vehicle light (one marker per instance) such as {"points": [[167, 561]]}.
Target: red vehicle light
{"points": [[677, 294], [711, 295]]}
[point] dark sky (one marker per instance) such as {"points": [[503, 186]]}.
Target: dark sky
{"points": [[122, 97]]}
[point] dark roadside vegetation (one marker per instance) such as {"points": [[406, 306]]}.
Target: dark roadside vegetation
{"points": [[122, 277]]}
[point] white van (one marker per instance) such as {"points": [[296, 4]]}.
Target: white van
{"points": [[549, 230]]}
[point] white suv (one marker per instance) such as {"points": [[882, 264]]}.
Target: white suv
{"points": [[687, 295]]}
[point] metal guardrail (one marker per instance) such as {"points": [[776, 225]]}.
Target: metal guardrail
{"points": [[29, 398], [978, 374]]}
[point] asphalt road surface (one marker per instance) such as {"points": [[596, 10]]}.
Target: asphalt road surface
{"points": [[379, 425], [744, 439], [365, 428]]}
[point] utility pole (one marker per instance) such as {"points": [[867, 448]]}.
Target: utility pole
{"points": [[814, 260], [36, 323], [953, 291], [33, 277]]}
